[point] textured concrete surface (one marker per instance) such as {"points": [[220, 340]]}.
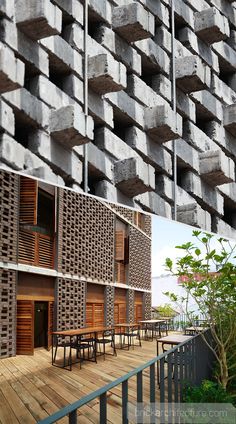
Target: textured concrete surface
{"points": [[130, 125]]}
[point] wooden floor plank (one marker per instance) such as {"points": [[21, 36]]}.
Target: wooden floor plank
{"points": [[31, 388]]}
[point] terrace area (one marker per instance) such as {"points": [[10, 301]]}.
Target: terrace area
{"points": [[31, 388]]}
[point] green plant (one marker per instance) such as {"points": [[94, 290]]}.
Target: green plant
{"points": [[208, 392], [215, 295], [165, 310]]}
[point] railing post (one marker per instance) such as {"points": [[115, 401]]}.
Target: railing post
{"points": [[140, 396], [124, 402], [73, 417], [152, 393], [103, 408]]}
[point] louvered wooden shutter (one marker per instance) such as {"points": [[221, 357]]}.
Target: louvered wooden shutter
{"points": [[28, 201], [45, 251], [50, 323], [98, 314], [120, 272], [27, 247], [122, 312], [89, 314], [116, 313], [138, 312], [120, 245], [25, 327]]}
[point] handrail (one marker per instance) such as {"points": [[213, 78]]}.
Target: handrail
{"points": [[98, 393]]}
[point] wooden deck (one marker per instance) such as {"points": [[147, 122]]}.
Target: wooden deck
{"points": [[31, 388]]}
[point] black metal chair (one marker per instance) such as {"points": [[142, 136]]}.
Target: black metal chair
{"points": [[134, 333], [108, 337], [63, 343]]}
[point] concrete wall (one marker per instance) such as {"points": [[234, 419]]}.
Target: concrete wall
{"points": [[131, 126]]}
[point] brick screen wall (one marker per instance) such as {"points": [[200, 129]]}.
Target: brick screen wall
{"points": [[147, 305], [86, 237], [70, 303], [109, 305], [7, 313], [130, 314], [139, 260], [9, 184]]}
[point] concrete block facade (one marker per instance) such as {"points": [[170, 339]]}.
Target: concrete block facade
{"points": [[62, 269], [130, 124]]}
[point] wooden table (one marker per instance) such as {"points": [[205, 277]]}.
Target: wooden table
{"points": [[90, 332], [152, 323], [126, 330], [172, 340], [194, 330]]}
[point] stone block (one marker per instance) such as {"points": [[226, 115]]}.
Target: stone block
{"points": [[133, 22], [64, 162], [154, 58], [222, 228], [63, 58], [30, 110], [99, 165], [71, 10], [105, 74], [119, 48], [216, 168], [33, 55], [207, 106], [153, 203], [211, 26], [192, 74], [132, 176], [12, 70], [161, 125], [107, 190], [230, 119], [11, 152], [100, 109], [226, 55], [68, 126], [38, 19], [7, 120], [127, 110], [192, 214]]}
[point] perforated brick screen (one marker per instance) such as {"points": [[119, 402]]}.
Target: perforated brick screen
{"points": [[109, 305], [70, 304], [139, 260], [7, 313]]}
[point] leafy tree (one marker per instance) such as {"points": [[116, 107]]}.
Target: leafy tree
{"points": [[214, 293], [165, 310]]}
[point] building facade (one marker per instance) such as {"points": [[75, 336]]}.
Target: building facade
{"points": [[67, 260], [127, 116]]}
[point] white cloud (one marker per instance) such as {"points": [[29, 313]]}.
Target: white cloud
{"points": [[158, 259]]}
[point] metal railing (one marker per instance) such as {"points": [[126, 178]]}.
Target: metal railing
{"points": [[187, 363]]}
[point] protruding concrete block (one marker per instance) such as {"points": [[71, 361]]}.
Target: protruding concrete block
{"points": [[216, 168], [7, 120], [38, 19], [11, 152], [105, 74], [193, 214], [230, 119], [211, 26], [12, 70], [68, 126], [154, 58], [192, 74], [207, 106], [99, 165], [132, 176], [153, 203], [133, 22], [221, 227], [161, 125]]}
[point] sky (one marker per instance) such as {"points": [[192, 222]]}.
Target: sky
{"points": [[167, 234]]}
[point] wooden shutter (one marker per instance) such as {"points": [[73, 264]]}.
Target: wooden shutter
{"points": [[45, 251], [28, 201], [122, 312], [116, 313], [89, 314], [98, 314], [138, 312], [120, 272], [50, 323], [27, 247], [120, 245], [25, 327]]}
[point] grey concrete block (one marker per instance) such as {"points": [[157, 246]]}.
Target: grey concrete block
{"points": [[107, 190], [30, 111], [222, 228], [154, 58], [153, 203], [11, 70], [119, 48], [105, 74], [68, 126], [227, 56], [216, 168], [151, 152], [211, 26], [100, 166], [63, 58], [207, 106], [132, 176], [192, 74], [11, 152], [127, 109], [161, 125], [7, 8], [100, 109], [7, 120], [64, 162], [71, 10], [133, 22], [193, 214], [32, 54], [230, 119], [38, 19]]}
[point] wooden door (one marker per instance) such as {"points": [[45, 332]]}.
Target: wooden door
{"points": [[50, 323], [138, 312], [120, 308], [25, 327]]}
